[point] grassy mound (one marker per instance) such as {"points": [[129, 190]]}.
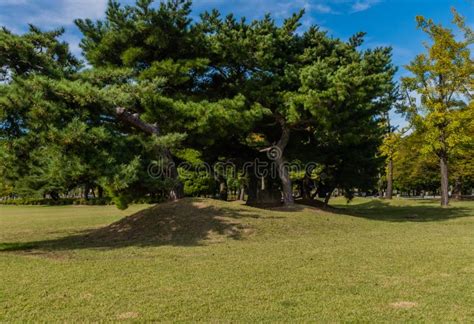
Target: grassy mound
{"points": [[188, 221]]}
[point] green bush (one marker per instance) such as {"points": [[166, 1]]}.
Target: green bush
{"points": [[52, 202]]}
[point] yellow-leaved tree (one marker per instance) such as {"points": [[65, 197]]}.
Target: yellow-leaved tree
{"points": [[442, 80]]}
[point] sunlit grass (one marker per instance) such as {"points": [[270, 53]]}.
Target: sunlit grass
{"points": [[366, 261]]}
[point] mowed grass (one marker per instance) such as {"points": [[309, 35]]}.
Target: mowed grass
{"points": [[215, 261]]}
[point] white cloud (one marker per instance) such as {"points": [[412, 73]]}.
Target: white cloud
{"points": [[278, 8], [65, 11], [48, 14], [322, 8], [362, 5], [85, 8], [12, 2]]}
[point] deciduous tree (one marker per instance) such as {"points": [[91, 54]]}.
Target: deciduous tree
{"points": [[443, 78]]}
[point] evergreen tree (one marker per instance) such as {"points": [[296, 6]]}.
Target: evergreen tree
{"points": [[170, 63], [341, 101]]}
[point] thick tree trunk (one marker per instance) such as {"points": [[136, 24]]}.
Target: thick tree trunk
{"points": [[177, 191], [242, 193], [223, 193], [54, 195], [270, 196], [316, 193], [444, 180], [100, 192], [390, 179], [380, 187], [87, 189], [328, 196], [306, 188], [457, 190], [252, 189], [285, 182], [283, 173]]}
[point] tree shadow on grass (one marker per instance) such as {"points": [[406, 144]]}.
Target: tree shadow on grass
{"points": [[189, 222], [423, 211]]}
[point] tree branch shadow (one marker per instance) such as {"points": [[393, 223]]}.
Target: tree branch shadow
{"points": [[423, 211]]}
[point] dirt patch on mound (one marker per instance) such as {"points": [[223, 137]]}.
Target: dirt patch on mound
{"points": [[403, 304], [127, 315]]}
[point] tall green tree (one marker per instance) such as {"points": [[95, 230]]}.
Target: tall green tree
{"points": [[59, 127], [344, 94], [170, 58], [24, 120], [314, 87]]}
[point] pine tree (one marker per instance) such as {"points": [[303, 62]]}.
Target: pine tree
{"points": [[171, 61]]}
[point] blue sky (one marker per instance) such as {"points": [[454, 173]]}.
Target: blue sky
{"points": [[387, 22]]}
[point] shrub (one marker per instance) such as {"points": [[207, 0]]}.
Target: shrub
{"points": [[52, 202]]}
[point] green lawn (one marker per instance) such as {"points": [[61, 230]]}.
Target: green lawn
{"points": [[216, 261]]}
